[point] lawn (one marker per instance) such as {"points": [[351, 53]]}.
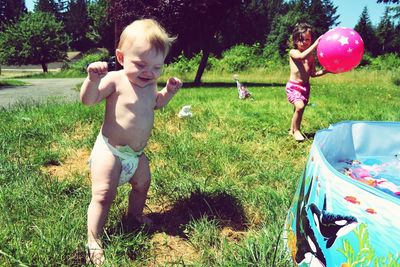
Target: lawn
{"points": [[222, 181], [11, 82]]}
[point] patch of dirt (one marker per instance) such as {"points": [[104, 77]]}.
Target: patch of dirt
{"points": [[232, 235], [155, 147], [168, 249], [76, 162], [169, 240], [79, 133]]}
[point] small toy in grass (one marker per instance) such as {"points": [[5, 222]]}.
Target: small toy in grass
{"points": [[185, 112], [243, 92]]}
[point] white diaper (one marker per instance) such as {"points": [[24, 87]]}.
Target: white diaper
{"points": [[128, 157]]}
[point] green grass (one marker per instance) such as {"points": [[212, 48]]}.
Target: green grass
{"points": [[9, 82], [222, 181], [53, 74]]}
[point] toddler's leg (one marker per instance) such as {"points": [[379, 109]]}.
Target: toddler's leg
{"points": [[299, 107], [105, 172], [140, 185]]}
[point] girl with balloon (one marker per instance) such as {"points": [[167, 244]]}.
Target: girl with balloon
{"points": [[302, 67]]}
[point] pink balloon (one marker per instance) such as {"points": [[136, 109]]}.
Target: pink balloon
{"points": [[340, 50]]}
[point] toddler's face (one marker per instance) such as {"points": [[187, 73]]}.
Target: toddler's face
{"points": [[142, 64], [304, 41]]}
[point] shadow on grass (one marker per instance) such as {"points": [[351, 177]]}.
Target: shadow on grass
{"points": [[229, 84], [309, 135], [220, 207], [396, 82]]}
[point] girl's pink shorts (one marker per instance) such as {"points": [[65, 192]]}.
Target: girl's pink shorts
{"points": [[297, 91]]}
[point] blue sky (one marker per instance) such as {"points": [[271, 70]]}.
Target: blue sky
{"points": [[349, 10]]}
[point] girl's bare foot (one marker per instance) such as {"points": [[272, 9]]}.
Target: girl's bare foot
{"points": [[95, 254], [298, 136]]}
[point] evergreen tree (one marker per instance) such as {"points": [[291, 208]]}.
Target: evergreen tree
{"points": [[248, 23], [77, 24], [10, 11], [365, 29], [396, 39], [37, 38], [385, 33], [101, 29], [322, 15], [389, 1], [51, 6], [195, 22], [395, 9]]}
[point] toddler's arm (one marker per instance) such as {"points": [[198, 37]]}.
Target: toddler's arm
{"points": [[170, 89], [94, 89]]}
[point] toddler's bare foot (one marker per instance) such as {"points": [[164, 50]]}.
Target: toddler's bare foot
{"points": [[143, 220], [95, 254], [298, 136], [133, 223]]}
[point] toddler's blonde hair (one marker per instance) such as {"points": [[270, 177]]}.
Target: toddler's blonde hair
{"points": [[149, 29]]}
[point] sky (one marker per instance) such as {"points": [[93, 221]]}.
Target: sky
{"points": [[349, 11]]}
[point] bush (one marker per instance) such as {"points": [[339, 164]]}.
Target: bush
{"points": [[80, 65], [184, 65], [386, 62], [366, 60], [241, 57]]}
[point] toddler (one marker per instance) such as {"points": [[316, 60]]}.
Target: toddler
{"points": [[131, 96], [302, 67]]}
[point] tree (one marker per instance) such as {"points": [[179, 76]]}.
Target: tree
{"points": [[395, 9], [321, 14], [77, 23], [278, 40], [199, 34], [51, 6], [101, 29], [36, 39], [365, 29], [388, 1], [385, 33], [10, 11], [195, 22], [248, 23]]}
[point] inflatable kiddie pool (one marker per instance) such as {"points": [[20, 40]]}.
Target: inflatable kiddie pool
{"points": [[346, 210]]}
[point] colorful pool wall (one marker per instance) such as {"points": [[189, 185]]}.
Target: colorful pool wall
{"points": [[335, 220]]}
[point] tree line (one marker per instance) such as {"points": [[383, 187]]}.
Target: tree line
{"points": [[206, 27]]}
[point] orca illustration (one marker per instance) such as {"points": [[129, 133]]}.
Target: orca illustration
{"points": [[331, 226], [328, 226]]}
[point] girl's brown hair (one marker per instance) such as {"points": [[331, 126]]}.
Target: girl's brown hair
{"points": [[299, 29]]}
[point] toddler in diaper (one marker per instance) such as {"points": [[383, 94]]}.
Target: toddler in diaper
{"points": [[131, 96]]}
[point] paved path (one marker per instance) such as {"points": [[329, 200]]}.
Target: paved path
{"points": [[40, 90]]}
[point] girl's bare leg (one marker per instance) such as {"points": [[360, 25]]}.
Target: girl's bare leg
{"points": [[299, 107]]}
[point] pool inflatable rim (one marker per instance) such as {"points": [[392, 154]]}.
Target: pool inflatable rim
{"points": [[365, 187]]}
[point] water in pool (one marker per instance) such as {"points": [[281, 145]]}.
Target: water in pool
{"points": [[381, 172]]}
